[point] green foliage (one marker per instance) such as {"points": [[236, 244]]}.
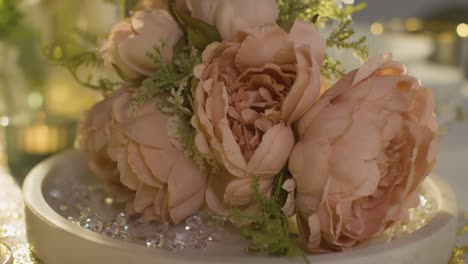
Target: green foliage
{"points": [[290, 10], [18, 34], [268, 229], [200, 33], [10, 18], [332, 69], [341, 37], [126, 6], [80, 56], [171, 85], [329, 13], [171, 82]]}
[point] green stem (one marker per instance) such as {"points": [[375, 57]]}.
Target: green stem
{"points": [[9, 98], [123, 9]]}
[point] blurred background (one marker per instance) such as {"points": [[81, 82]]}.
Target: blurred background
{"points": [[41, 103]]}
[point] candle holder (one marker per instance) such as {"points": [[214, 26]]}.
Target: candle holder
{"points": [[29, 140]]}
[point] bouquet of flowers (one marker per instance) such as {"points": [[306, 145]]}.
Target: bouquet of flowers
{"points": [[225, 105]]}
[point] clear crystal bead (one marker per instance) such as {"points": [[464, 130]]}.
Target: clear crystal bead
{"points": [[182, 238], [177, 241], [201, 240], [122, 219], [122, 236], [112, 230], [215, 222], [171, 245], [216, 234], [86, 212], [93, 224], [155, 241], [194, 223]]}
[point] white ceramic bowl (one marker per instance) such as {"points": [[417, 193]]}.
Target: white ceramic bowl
{"points": [[56, 241]]}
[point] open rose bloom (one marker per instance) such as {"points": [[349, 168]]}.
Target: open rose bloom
{"points": [[135, 150], [251, 105], [247, 98], [365, 147]]}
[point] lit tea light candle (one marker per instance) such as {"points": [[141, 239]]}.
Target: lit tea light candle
{"points": [[39, 139], [32, 139]]}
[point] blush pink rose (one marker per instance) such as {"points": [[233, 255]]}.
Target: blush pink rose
{"points": [[365, 147], [93, 137], [131, 40], [167, 185], [234, 16], [247, 98], [133, 153]]}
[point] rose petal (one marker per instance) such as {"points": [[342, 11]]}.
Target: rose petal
{"points": [[144, 197], [239, 192], [253, 52], [305, 33], [186, 188], [273, 151], [305, 90]]}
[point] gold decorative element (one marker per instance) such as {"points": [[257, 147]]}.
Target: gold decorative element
{"points": [[12, 227], [5, 254], [459, 255]]}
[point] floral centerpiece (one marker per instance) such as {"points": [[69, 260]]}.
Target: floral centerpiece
{"points": [[226, 106]]}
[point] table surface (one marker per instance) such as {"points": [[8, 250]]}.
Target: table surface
{"points": [[452, 163], [452, 166]]}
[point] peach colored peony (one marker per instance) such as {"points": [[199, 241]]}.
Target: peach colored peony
{"points": [[136, 158], [366, 145], [168, 185], [247, 97], [93, 139], [234, 16], [131, 40]]}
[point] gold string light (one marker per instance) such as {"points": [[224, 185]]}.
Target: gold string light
{"points": [[462, 30], [377, 29]]}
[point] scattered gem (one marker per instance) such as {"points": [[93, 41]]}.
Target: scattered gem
{"points": [[122, 220], [177, 241], [193, 224], [91, 208], [155, 241], [201, 240], [93, 224]]}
